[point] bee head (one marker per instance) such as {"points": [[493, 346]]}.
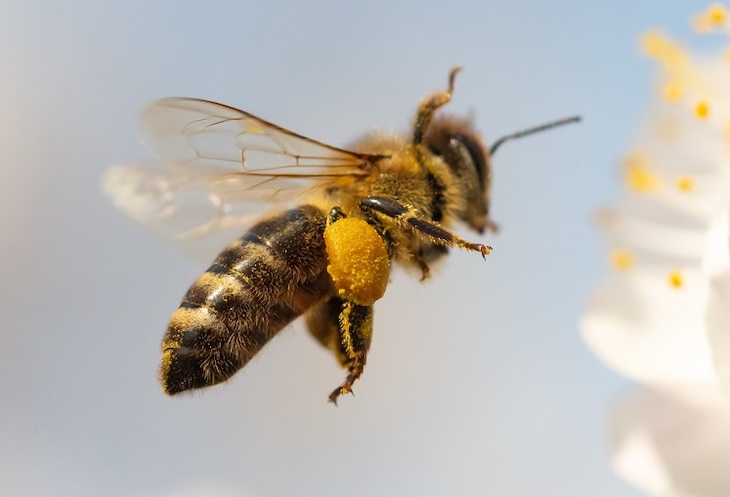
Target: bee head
{"points": [[457, 143]]}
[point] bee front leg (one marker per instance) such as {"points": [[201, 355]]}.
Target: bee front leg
{"points": [[429, 106], [411, 219]]}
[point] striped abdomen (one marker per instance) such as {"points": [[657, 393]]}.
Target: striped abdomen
{"points": [[255, 287]]}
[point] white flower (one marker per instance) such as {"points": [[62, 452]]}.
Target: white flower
{"points": [[663, 316], [669, 233], [674, 441]]}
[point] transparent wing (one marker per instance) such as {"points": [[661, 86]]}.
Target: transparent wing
{"points": [[172, 200], [258, 161], [217, 164]]}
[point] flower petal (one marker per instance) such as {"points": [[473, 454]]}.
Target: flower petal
{"points": [[674, 441], [645, 327], [718, 327]]}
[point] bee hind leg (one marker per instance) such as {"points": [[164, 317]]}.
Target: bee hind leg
{"points": [[345, 328], [355, 330], [411, 219]]}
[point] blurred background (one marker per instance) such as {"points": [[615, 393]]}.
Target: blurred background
{"points": [[477, 382]]}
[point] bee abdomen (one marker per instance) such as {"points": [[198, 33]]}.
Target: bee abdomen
{"points": [[255, 287]]}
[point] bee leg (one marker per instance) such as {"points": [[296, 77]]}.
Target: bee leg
{"points": [[345, 328], [411, 219], [425, 255], [356, 329], [428, 107], [336, 213], [323, 322], [344, 322], [425, 270]]}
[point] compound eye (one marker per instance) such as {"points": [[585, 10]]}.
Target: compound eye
{"points": [[475, 152]]}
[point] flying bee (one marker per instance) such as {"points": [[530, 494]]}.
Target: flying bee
{"points": [[389, 199]]}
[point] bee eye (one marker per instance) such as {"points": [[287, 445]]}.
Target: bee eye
{"points": [[460, 143]]}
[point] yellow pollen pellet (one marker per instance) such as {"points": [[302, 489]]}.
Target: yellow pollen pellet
{"points": [[358, 260], [676, 280], [621, 259], [685, 184], [702, 110]]}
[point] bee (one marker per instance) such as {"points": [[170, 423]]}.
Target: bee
{"points": [[387, 200]]}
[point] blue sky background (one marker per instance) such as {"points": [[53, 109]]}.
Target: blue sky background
{"points": [[477, 382]]}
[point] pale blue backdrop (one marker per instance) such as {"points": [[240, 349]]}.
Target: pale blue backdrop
{"points": [[478, 382]]}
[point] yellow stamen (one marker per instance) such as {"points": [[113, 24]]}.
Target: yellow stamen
{"points": [[702, 110], [656, 45], [717, 14], [672, 92], [676, 280], [685, 184], [621, 259], [715, 17], [639, 177]]}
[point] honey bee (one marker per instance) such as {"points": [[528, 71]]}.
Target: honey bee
{"points": [[387, 200]]}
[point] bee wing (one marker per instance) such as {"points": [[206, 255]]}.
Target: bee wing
{"points": [[216, 162], [172, 200], [259, 161]]}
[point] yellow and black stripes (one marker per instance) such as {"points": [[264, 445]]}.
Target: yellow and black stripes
{"points": [[254, 288], [333, 258]]}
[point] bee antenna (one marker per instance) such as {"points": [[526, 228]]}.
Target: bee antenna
{"points": [[530, 131]]}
